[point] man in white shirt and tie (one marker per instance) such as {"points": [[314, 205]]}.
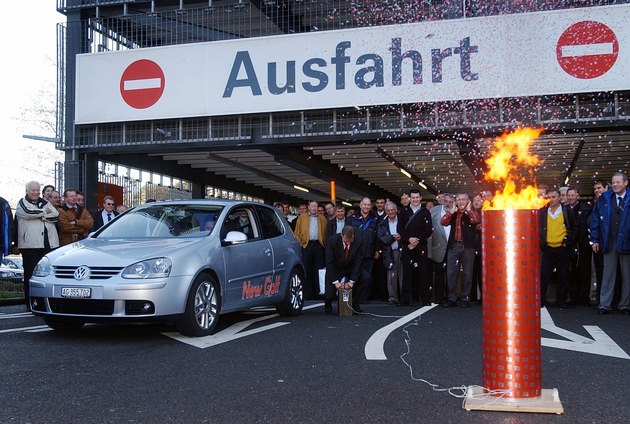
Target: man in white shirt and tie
{"points": [[106, 214]]}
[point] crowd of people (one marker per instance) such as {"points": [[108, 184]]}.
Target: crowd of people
{"points": [[399, 252], [45, 220], [413, 252]]}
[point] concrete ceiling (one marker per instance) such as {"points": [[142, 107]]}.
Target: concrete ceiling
{"points": [[436, 162]]}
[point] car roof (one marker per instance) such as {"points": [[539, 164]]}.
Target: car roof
{"points": [[206, 202]]}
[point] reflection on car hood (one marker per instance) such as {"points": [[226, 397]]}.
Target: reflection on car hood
{"points": [[117, 252], [16, 271]]}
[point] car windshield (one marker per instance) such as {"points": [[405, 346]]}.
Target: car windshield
{"points": [[15, 263], [164, 221]]}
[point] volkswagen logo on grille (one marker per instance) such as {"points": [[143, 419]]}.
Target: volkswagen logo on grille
{"points": [[82, 273]]}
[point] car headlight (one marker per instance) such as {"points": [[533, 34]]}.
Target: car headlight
{"points": [[152, 268], [7, 274], [43, 268]]}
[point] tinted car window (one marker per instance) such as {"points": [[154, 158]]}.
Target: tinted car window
{"points": [[241, 219], [167, 221], [270, 222]]}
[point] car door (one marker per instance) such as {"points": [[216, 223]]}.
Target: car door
{"points": [[249, 263]]}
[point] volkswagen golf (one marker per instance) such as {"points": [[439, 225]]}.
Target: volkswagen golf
{"points": [[183, 262]]}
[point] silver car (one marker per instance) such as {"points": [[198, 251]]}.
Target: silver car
{"points": [[178, 261]]}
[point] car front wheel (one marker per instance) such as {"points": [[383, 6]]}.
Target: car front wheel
{"points": [[202, 308], [294, 299]]}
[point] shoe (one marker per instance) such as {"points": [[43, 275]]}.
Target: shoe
{"points": [[601, 311], [449, 304], [328, 308], [357, 308], [625, 311], [425, 303], [464, 304]]}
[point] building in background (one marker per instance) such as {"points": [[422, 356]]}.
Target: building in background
{"points": [[277, 99]]}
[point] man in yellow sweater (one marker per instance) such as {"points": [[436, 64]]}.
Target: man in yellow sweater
{"points": [[310, 230], [558, 231]]}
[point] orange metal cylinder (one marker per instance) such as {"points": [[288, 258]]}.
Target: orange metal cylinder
{"points": [[511, 303]]}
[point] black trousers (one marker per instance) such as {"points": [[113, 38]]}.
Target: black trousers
{"points": [[580, 284], [314, 259], [30, 258], [560, 259], [415, 273], [439, 280]]}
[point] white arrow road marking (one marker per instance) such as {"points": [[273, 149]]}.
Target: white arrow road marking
{"points": [[17, 315], [374, 348], [231, 333], [36, 328], [600, 344]]}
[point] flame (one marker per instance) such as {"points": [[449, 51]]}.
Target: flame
{"points": [[509, 159]]}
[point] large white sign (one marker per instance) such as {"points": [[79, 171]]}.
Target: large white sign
{"points": [[565, 51]]}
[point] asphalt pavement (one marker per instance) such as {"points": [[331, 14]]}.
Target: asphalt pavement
{"points": [[389, 365]]}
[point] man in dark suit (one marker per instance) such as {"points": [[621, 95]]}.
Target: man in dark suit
{"points": [[415, 227], [339, 221], [106, 214], [344, 255]]}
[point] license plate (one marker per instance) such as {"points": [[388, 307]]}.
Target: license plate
{"points": [[76, 292]]}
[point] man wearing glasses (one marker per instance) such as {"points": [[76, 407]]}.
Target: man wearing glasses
{"points": [[106, 214]]}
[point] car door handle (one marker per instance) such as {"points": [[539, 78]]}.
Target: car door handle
{"points": [[267, 251]]}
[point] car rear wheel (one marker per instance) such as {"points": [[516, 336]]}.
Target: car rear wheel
{"points": [[202, 308], [64, 326], [294, 299]]}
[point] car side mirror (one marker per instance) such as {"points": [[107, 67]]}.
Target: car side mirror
{"points": [[235, 237]]}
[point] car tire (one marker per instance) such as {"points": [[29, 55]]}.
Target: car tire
{"points": [[202, 308], [294, 299], [64, 326]]}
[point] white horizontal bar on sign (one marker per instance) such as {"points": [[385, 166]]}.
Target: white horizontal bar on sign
{"points": [[141, 84], [587, 49]]}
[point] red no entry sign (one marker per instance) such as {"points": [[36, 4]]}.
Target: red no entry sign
{"points": [[142, 84], [587, 49]]}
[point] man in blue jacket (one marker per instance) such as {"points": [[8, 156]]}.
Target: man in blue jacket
{"points": [[610, 234]]}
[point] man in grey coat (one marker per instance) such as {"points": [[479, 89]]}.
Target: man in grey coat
{"points": [[439, 241]]}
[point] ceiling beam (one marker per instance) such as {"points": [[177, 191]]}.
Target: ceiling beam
{"points": [[315, 166], [197, 175], [266, 175], [473, 158]]}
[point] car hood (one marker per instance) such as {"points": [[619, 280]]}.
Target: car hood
{"points": [[118, 252]]}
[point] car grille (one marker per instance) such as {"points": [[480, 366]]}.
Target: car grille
{"points": [[96, 272], [81, 306]]}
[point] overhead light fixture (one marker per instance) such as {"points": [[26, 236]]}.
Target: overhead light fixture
{"points": [[421, 184], [297, 187], [405, 172], [346, 204], [566, 180]]}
